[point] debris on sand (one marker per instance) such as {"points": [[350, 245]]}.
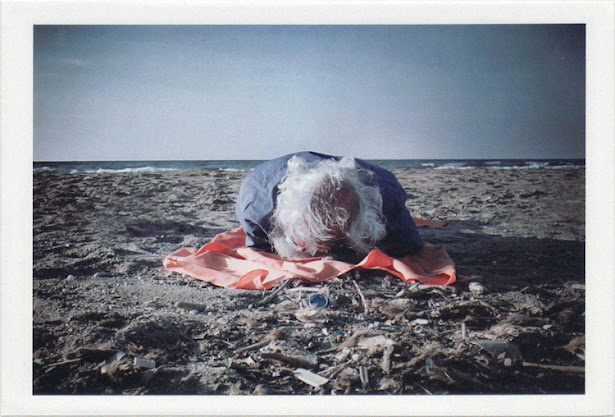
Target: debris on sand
{"points": [[123, 325]]}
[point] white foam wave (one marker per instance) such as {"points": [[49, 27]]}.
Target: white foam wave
{"points": [[454, 165], [147, 169]]}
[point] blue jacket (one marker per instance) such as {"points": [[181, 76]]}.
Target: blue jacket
{"points": [[259, 190]]}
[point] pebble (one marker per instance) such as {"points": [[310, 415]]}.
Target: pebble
{"points": [[477, 288], [194, 311], [70, 277]]}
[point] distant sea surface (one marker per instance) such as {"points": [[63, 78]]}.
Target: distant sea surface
{"points": [[111, 167]]}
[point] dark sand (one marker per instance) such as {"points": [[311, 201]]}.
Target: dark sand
{"points": [[100, 289]]}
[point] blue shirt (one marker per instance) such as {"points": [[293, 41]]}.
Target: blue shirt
{"points": [[259, 190]]}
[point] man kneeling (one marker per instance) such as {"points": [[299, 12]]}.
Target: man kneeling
{"points": [[308, 204]]}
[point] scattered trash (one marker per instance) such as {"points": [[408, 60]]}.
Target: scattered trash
{"points": [[112, 363], [497, 348], [310, 361], [144, 363], [318, 301], [364, 376], [336, 338], [374, 344], [310, 378]]}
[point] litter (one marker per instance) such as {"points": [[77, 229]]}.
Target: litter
{"points": [[310, 378], [497, 348], [144, 363], [318, 301], [111, 364]]}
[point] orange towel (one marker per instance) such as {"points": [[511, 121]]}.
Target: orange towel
{"points": [[226, 262]]}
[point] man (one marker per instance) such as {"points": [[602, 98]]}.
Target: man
{"points": [[308, 204]]}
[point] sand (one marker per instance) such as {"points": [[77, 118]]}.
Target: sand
{"points": [[108, 318]]}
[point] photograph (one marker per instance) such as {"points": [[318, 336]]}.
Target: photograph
{"points": [[277, 211], [323, 145]]}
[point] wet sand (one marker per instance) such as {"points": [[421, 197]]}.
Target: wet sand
{"points": [[517, 237]]}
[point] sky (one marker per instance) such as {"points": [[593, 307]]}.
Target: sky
{"points": [[257, 92]]}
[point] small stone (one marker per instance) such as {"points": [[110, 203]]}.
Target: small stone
{"points": [[477, 288], [507, 362], [70, 277], [194, 311]]}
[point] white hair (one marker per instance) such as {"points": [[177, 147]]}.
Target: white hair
{"points": [[324, 203]]}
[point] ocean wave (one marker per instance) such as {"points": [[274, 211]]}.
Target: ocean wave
{"points": [[543, 165], [43, 169], [146, 169], [455, 165], [133, 167]]}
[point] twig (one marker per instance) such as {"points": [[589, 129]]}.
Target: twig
{"points": [[256, 345], [306, 289], [349, 342], [291, 360], [334, 371], [457, 376], [385, 364], [412, 361], [273, 295], [365, 307], [65, 362], [573, 369]]}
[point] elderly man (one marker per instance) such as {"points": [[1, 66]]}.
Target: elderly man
{"points": [[308, 204]]}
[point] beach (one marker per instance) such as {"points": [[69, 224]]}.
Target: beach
{"points": [[109, 319]]}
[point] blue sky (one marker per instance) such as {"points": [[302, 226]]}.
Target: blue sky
{"points": [[256, 92]]}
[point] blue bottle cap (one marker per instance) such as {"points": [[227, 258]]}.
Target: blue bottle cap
{"points": [[319, 301]]}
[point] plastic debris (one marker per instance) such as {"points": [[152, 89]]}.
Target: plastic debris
{"points": [[364, 376], [336, 338], [497, 348], [111, 364], [319, 301], [310, 378], [144, 363]]}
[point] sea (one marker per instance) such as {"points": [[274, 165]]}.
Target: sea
{"points": [[112, 167]]}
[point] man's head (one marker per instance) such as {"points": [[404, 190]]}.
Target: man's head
{"points": [[324, 205]]}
